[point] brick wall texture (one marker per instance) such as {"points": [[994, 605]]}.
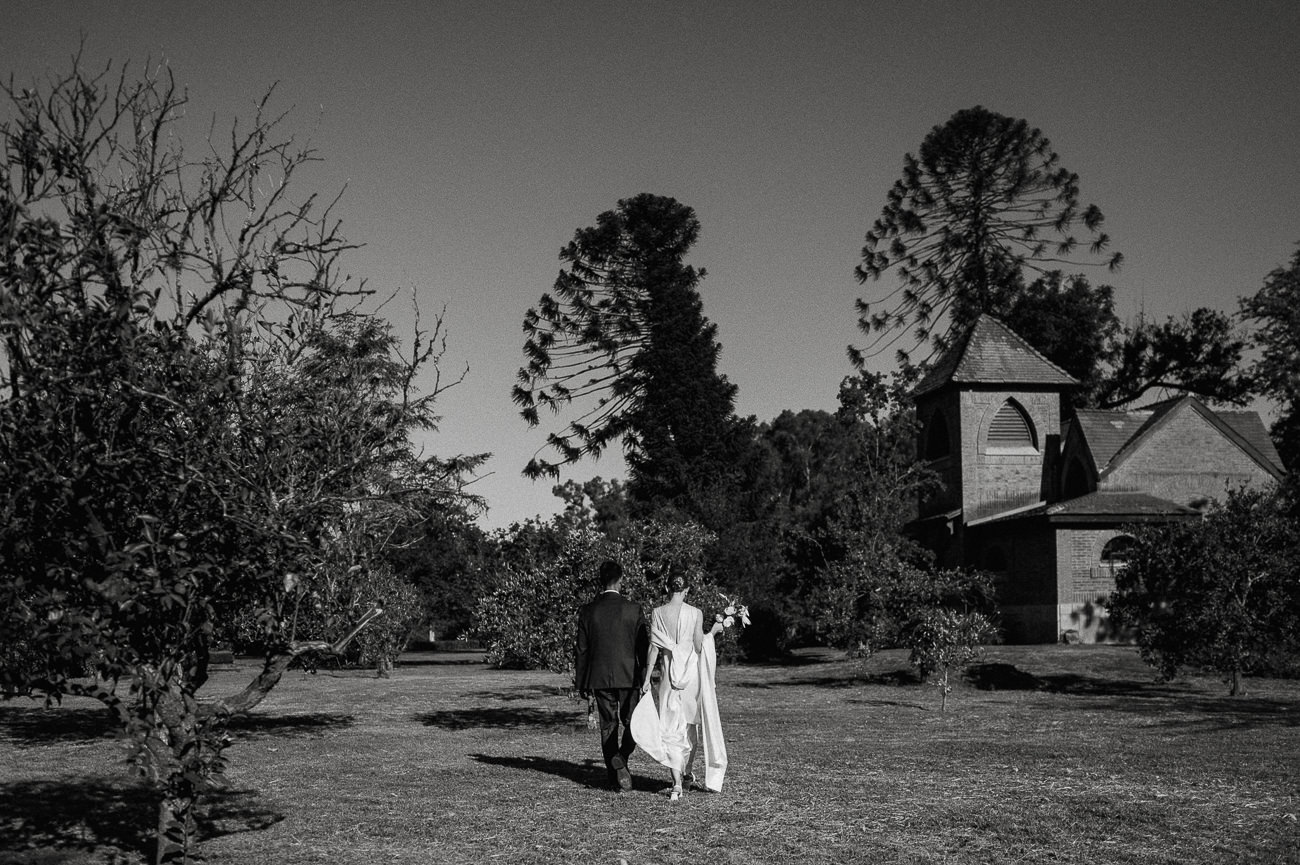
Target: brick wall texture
{"points": [[1188, 461]]}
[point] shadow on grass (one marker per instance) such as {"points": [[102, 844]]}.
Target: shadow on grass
{"points": [[589, 773], [35, 725], [1167, 703], [1008, 677], [1212, 713], [515, 695], [898, 704], [312, 725], [501, 719], [848, 679], [111, 818]]}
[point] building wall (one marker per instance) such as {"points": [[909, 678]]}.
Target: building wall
{"points": [[1084, 582], [1186, 460], [1027, 590], [949, 467], [1000, 479]]}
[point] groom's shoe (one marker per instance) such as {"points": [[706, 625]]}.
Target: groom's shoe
{"points": [[623, 775]]}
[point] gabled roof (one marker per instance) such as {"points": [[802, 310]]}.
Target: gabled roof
{"points": [[991, 353], [1243, 428], [1250, 426], [1106, 432]]}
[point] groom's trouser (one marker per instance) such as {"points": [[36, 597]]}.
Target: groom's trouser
{"points": [[615, 706]]}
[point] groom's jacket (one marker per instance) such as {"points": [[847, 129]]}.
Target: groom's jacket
{"points": [[613, 641]]}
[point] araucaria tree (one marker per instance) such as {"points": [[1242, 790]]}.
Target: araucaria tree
{"points": [[985, 200], [985, 220], [199, 432], [623, 338]]}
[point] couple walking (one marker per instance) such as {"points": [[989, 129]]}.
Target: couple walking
{"points": [[616, 656]]}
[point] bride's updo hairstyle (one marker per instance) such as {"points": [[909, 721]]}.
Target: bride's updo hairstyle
{"points": [[677, 583]]}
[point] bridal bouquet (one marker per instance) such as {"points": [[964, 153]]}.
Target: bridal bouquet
{"points": [[732, 611]]}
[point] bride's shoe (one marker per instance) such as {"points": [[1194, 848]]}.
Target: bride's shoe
{"points": [[676, 793]]}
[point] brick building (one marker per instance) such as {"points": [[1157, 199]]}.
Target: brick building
{"points": [[1039, 493]]}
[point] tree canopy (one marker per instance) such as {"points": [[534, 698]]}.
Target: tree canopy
{"points": [[623, 336], [985, 200], [1274, 310], [200, 429], [1219, 592]]}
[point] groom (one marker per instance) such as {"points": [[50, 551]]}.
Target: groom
{"points": [[609, 662]]}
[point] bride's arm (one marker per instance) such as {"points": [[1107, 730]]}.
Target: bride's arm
{"points": [[651, 660]]}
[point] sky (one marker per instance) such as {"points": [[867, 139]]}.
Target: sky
{"points": [[473, 138]]}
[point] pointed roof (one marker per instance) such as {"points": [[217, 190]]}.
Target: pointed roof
{"points": [[1250, 426], [1105, 432], [992, 353], [1113, 436]]}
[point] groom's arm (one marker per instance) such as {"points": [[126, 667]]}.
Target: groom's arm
{"points": [[581, 656], [642, 644]]}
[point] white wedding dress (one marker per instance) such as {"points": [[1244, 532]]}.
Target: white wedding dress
{"points": [[687, 695]]}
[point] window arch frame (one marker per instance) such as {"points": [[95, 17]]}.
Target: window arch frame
{"points": [[1019, 416], [1114, 555]]}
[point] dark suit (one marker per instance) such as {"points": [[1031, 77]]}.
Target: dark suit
{"points": [[609, 662]]}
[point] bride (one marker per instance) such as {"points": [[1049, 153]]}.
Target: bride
{"points": [[686, 719]]}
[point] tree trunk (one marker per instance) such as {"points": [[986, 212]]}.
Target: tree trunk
{"points": [[175, 828], [276, 665]]}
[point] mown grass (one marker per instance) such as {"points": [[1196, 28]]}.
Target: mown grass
{"points": [[1075, 756]]}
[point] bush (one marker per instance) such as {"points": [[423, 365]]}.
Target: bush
{"points": [[944, 641], [530, 620], [867, 606], [1219, 593]]}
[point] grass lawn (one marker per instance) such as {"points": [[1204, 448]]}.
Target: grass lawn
{"points": [[1065, 754]]}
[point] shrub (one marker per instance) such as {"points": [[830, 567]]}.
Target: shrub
{"points": [[530, 620], [945, 641], [869, 605], [1219, 593]]}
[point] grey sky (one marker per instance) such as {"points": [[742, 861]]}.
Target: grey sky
{"points": [[475, 137]]}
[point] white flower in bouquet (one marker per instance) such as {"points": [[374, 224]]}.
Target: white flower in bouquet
{"points": [[734, 610]]}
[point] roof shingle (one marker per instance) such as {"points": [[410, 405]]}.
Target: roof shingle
{"points": [[991, 353]]}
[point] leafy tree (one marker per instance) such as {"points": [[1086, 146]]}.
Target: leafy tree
{"points": [[944, 641], [192, 432], [985, 200], [446, 557], [1072, 323], [1218, 593], [1275, 312], [598, 503], [871, 573], [624, 336], [530, 618], [1198, 353]]}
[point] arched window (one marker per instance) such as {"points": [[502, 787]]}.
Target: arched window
{"points": [[1115, 554], [937, 441], [1011, 428]]}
